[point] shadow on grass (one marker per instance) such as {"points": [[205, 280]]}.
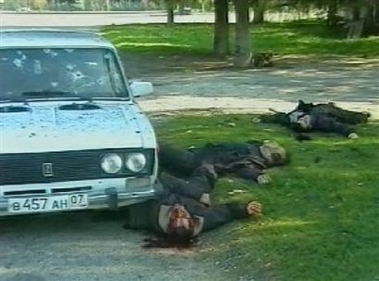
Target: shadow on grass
{"points": [[301, 28], [301, 37], [161, 49], [320, 217]]}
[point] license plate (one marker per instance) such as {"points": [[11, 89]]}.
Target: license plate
{"points": [[48, 204]]}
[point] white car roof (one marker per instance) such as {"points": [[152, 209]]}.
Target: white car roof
{"points": [[51, 38]]}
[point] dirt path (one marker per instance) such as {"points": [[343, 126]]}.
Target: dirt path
{"points": [[202, 83]]}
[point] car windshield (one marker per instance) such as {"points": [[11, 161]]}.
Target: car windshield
{"points": [[60, 72]]}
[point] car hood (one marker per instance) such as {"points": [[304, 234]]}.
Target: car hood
{"points": [[45, 127]]}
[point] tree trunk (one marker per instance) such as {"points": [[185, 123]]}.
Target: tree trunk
{"points": [[370, 27], [376, 12], [259, 11], [170, 11], [363, 21], [332, 18], [181, 6], [107, 5], [356, 13], [242, 55], [258, 15], [87, 5], [170, 15], [145, 3], [221, 28]]}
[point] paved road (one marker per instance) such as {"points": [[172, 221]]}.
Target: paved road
{"points": [[88, 247], [8, 20]]}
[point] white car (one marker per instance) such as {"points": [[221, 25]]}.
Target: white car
{"points": [[71, 134]]}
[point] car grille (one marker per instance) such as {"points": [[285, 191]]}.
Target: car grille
{"points": [[66, 166]]}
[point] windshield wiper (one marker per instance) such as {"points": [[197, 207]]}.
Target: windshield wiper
{"points": [[53, 94]]}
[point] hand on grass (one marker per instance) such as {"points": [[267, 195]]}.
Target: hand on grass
{"points": [[263, 179], [254, 209], [352, 136], [205, 199]]}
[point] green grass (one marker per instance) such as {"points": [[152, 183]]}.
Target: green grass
{"points": [[321, 218], [290, 38]]}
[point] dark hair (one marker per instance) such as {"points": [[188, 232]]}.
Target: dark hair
{"points": [[180, 234], [169, 241], [279, 160], [181, 237]]}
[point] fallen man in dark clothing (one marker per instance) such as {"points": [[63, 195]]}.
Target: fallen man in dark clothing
{"points": [[245, 160], [184, 209], [328, 118]]}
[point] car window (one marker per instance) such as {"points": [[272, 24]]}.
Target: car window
{"points": [[86, 72]]}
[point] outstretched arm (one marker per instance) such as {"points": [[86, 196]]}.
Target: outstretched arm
{"points": [[225, 213], [253, 173], [181, 187]]}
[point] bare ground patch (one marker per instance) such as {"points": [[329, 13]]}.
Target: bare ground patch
{"points": [[81, 247], [183, 82]]}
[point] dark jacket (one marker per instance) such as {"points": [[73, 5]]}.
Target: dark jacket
{"points": [[327, 124], [332, 111], [326, 118], [241, 159], [153, 215]]}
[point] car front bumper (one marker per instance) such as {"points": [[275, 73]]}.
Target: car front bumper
{"points": [[101, 194]]}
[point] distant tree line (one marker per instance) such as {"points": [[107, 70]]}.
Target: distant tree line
{"points": [[359, 17], [81, 4]]}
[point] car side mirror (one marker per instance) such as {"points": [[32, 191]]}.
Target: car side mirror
{"points": [[141, 88]]}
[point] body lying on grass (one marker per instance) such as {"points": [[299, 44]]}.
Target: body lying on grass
{"points": [[327, 118], [245, 160], [184, 209]]}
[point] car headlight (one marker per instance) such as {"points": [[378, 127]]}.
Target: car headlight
{"points": [[135, 162], [111, 163]]}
